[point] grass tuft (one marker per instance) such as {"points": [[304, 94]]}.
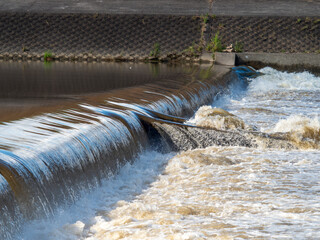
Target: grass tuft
{"points": [[215, 44], [238, 47], [155, 52], [205, 18], [48, 56]]}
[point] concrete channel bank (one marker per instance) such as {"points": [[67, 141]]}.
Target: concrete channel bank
{"points": [[111, 30]]}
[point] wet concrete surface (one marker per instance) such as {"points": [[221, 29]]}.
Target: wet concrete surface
{"points": [[281, 61], [176, 7]]}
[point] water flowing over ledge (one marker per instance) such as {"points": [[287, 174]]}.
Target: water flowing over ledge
{"points": [[229, 192], [48, 158], [217, 192]]}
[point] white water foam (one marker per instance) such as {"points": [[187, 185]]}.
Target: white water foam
{"points": [[276, 80], [274, 96], [74, 222], [217, 118], [222, 193], [297, 123]]}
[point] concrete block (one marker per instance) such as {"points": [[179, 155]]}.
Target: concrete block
{"points": [[222, 58], [206, 57]]}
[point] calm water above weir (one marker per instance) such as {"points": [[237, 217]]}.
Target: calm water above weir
{"points": [[62, 160]]}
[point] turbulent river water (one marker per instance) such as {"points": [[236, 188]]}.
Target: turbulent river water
{"points": [[217, 192]]}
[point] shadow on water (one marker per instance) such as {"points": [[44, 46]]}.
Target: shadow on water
{"points": [[65, 127]]}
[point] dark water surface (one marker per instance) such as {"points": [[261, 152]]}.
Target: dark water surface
{"points": [[27, 89]]}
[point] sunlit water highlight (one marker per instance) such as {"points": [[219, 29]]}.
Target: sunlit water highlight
{"points": [[218, 192]]}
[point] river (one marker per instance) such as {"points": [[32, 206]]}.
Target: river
{"points": [[216, 192]]}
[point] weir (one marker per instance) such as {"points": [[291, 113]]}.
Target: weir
{"points": [[69, 122], [68, 143], [52, 152]]}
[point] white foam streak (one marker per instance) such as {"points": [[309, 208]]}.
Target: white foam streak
{"points": [[276, 80]]}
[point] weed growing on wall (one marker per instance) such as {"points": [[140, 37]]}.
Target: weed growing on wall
{"points": [[215, 44], [48, 56], [155, 52], [238, 47]]}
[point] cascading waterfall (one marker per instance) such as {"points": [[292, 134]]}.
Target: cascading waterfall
{"points": [[265, 191], [47, 160], [65, 157]]}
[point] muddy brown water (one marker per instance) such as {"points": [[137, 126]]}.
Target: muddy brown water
{"points": [[28, 89]]}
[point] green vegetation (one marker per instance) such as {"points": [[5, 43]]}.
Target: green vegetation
{"points": [[191, 50], [215, 44], [314, 27], [316, 21], [220, 26], [155, 51], [194, 50], [48, 56], [205, 18], [298, 20], [238, 47]]}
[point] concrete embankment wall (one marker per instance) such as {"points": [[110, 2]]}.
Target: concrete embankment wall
{"points": [[268, 34], [105, 37], [99, 37]]}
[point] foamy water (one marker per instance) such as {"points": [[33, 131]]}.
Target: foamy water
{"points": [[74, 222], [217, 118], [217, 192], [223, 193]]}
